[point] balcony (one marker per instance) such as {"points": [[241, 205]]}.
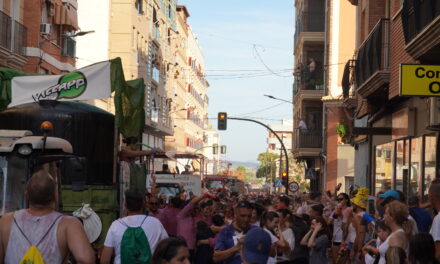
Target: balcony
{"points": [[309, 93], [69, 47], [156, 35], [13, 37], [310, 27], [421, 28], [372, 64], [307, 143]]}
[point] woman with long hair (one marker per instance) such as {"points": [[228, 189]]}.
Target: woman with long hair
{"points": [[395, 255], [396, 217], [286, 224], [317, 239], [270, 222], [171, 251], [339, 219]]}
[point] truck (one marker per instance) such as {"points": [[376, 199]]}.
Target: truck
{"points": [[224, 181], [78, 149]]}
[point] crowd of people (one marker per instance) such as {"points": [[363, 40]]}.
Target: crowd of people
{"points": [[220, 226]]}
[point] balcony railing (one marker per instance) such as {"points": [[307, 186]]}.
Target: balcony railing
{"points": [[20, 38], [308, 138], [5, 30], [69, 47], [309, 22], [13, 35], [416, 15], [373, 55]]}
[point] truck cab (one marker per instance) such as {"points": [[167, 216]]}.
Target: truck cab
{"points": [[21, 154]]}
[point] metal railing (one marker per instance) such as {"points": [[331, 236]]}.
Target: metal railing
{"points": [[19, 39], [309, 22], [373, 54], [416, 15], [5, 30], [305, 138], [13, 35], [69, 47]]}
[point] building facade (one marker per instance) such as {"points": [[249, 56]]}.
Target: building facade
{"points": [[308, 87], [400, 131], [140, 33], [340, 38], [189, 93], [38, 36], [212, 154], [285, 132]]}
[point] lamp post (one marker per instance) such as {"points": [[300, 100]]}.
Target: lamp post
{"points": [[279, 99]]}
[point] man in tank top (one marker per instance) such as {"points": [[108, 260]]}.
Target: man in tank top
{"points": [[40, 225]]}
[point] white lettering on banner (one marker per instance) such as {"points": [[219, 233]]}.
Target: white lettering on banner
{"points": [[88, 83]]}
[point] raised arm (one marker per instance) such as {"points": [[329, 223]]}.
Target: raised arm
{"points": [[77, 241]]}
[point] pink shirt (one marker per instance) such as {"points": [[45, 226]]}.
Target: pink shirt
{"points": [[168, 217], [186, 225]]}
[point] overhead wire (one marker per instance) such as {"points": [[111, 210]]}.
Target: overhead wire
{"points": [[265, 65]]}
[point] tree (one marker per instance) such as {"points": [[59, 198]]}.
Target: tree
{"points": [[297, 173], [268, 167], [241, 168]]}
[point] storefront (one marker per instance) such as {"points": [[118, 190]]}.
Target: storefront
{"points": [[405, 160]]}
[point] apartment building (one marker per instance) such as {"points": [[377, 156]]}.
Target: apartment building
{"points": [[308, 87], [212, 152], [340, 40], [140, 33], [396, 136], [189, 98], [285, 132], [38, 36]]}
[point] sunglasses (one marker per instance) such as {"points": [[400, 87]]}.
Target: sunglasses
{"points": [[154, 203], [340, 199]]}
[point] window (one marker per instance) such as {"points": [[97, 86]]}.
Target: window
{"points": [[402, 166], [170, 14], [430, 160], [384, 166], [416, 166], [139, 7], [349, 181]]}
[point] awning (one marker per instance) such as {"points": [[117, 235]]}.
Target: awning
{"points": [[66, 15]]}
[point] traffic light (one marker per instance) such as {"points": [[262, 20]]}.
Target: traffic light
{"points": [[222, 121], [285, 178]]}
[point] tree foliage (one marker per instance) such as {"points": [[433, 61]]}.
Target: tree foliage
{"points": [[268, 169]]}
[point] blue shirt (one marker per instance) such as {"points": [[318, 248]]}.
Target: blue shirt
{"points": [[227, 239], [422, 217]]}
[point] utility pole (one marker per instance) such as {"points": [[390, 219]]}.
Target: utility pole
{"points": [[279, 139]]}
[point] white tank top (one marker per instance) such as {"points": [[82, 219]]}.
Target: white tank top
{"points": [[36, 229], [351, 237], [385, 245]]}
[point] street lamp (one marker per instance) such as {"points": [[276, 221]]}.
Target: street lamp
{"points": [[82, 33], [279, 99]]}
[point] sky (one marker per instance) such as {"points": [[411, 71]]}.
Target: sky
{"points": [[248, 51]]}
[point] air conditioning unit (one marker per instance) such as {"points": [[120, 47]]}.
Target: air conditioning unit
{"points": [[45, 29]]}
